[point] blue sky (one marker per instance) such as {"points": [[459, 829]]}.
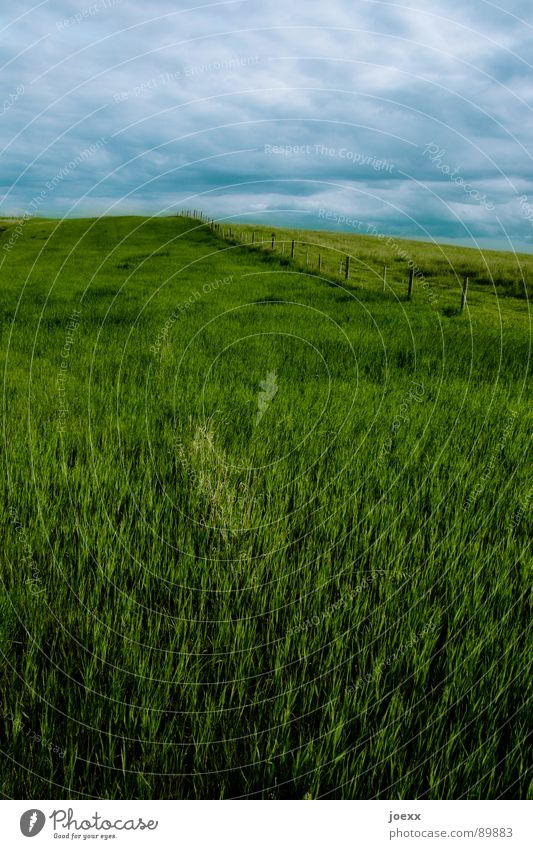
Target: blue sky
{"points": [[413, 119]]}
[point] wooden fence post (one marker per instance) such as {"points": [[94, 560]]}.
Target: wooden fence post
{"points": [[410, 286], [384, 277], [253, 237], [307, 259], [464, 294], [292, 249], [273, 240], [347, 270], [320, 262]]}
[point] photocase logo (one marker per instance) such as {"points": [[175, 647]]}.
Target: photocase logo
{"points": [[269, 389], [32, 822]]}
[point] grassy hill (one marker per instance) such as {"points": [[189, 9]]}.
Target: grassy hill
{"points": [[265, 530], [439, 270]]}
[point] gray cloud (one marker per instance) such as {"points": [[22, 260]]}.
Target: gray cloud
{"points": [[188, 103]]}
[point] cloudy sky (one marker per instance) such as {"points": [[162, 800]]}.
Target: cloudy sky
{"points": [[411, 118]]}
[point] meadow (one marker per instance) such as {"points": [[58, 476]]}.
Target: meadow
{"points": [[265, 530]]}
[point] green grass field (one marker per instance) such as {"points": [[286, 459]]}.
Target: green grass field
{"points": [[265, 531]]}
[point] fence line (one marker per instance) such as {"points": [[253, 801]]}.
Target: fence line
{"points": [[270, 243]]}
